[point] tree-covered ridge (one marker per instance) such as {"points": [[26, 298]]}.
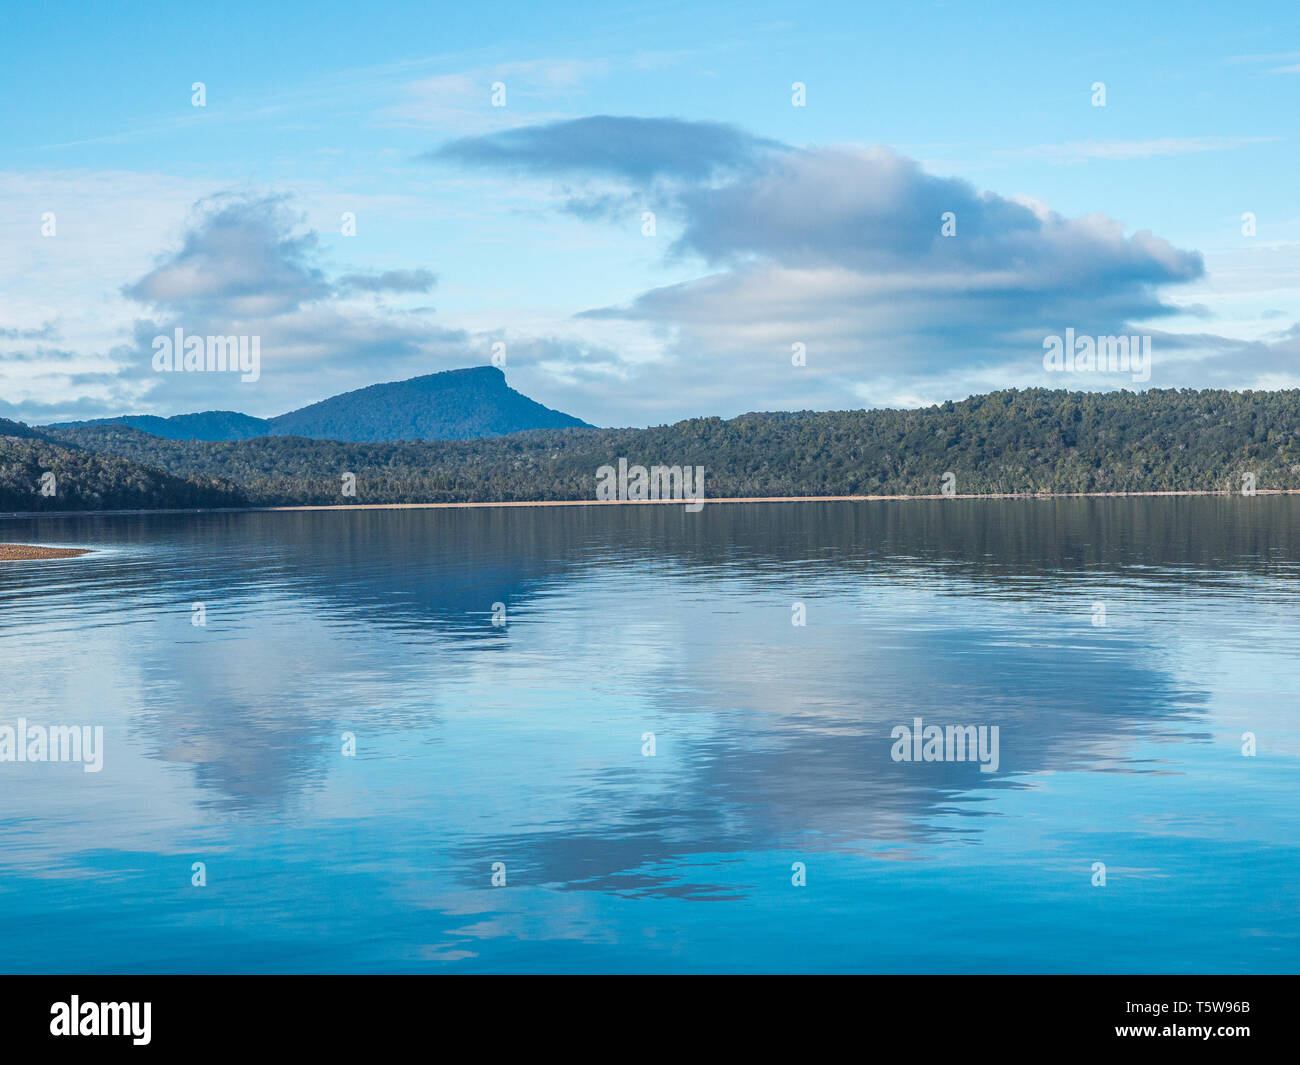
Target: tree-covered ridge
{"points": [[86, 480], [1034, 440]]}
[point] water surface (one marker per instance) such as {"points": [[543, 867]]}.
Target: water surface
{"points": [[522, 743]]}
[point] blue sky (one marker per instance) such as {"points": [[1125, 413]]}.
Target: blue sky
{"points": [[775, 225]]}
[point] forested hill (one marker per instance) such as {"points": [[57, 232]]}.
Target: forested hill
{"points": [[80, 479], [1011, 441]]}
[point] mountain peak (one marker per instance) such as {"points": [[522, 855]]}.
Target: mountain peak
{"points": [[462, 404]]}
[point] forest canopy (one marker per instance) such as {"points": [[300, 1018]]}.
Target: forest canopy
{"points": [[1021, 441]]}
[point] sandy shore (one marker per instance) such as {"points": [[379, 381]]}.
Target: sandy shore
{"points": [[711, 500], [23, 552], [762, 499]]}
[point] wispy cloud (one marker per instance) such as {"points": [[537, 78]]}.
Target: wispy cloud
{"points": [[1268, 57], [1264, 57], [635, 149], [1081, 151], [390, 281], [461, 100]]}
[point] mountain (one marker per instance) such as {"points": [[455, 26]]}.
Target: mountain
{"points": [[1033, 440], [452, 405]]}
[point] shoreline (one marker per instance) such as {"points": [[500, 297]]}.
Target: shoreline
{"points": [[618, 503]]}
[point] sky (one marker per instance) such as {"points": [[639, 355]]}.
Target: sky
{"points": [[645, 212]]}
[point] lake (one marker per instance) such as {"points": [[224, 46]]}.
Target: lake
{"points": [[599, 739]]}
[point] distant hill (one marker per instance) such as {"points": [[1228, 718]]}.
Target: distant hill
{"points": [[453, 405], [1033, 440], [210, 425]]}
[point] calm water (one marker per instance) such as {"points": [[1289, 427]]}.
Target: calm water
{"points": [[522, 744]]}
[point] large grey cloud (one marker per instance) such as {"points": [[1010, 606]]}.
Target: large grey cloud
{"points": [[843, 250], [875, 211], [858, 236]]}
